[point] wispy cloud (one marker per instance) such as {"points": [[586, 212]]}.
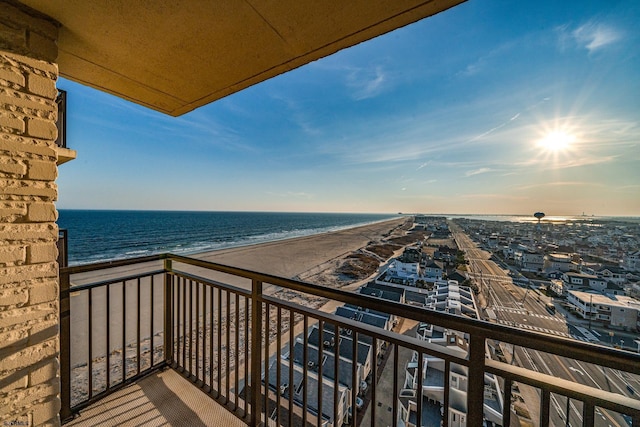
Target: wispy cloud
{"points": [[553, 164], [484, 61], [297, 114], [478, 171], [503, 124], [594, 36], [560, 184], [366, 82]]}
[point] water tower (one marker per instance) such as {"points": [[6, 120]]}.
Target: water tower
{"points": [[539, 215]]}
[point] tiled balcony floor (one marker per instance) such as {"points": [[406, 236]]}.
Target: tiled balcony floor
{"points": [[161, 399]]}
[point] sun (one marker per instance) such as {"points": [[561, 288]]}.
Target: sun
{"points": [[556, 141]]}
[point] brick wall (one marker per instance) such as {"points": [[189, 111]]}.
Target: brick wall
{"points": [[29, 313]]}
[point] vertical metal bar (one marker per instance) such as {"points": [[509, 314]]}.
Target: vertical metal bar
{"points": [[108, 336], [545, 402], [124, 331], [246, 351], [305, 369], [219, 342], [211, 324], [228, 345], [151, 312], [237, 353], [179, 302], [319, 358], [172, 320], [168, 314], [354, 377], [374, 377], [447, 392], [90, 344], [506, 407], [65, 347], [203, 328], [138, 327], [266, 359], [278, 365], [475, 392], [175, 326], [419, 390], [256, 353], [395, 383], [183, 285], [190, 313], [588, 414], [196, 372], [336, 376], [292, 387]]}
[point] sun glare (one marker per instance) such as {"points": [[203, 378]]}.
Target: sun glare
{"points": [[556, 141]]}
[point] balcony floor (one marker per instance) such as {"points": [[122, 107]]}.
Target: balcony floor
{"points": [[162, 399]]}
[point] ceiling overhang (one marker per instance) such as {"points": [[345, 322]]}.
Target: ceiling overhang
{"points": [[175, 56]]}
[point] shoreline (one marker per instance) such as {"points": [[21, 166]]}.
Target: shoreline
{"points": [[293, 257]]}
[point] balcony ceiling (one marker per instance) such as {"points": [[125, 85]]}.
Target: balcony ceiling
{"points": [[175, 56]]}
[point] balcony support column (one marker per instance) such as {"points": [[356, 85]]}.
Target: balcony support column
{"points": [[29, 278], [475, 391], [256, 352]]}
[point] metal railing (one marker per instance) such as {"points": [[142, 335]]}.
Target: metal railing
{"points": [[61, 122], [63, 248], [244, 338]]}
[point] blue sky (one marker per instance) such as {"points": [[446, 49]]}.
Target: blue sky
{"points": [[492, 107]]}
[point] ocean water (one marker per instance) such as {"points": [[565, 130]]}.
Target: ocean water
{"points": [[96, 236]]}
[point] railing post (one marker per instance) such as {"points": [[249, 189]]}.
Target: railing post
{"points": [[168, 312], [256, 351], [475, 393], [65, 347]]}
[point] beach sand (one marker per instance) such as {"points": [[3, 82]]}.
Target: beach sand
{"points": [[301, 257]]}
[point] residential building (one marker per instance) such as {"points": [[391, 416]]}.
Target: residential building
{"points": [[613, 274], [306, 385], [560, 262], [453, 298], [614, 311], [631, 261], [433, 271], [574, 280], [531, 260]]}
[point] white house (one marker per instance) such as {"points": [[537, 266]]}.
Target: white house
{"points": [[612, 274], [616, 311], [575, 280], [559, 262]]}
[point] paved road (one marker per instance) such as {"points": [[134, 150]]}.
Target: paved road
{"points": [[507, 303]]}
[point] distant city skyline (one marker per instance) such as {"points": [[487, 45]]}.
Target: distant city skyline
{"points": [[492, 107]]}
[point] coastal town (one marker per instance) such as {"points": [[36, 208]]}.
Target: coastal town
{"points": [[576, 279]]}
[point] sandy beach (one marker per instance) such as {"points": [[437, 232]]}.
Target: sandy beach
{"points": [[305, 257]]}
